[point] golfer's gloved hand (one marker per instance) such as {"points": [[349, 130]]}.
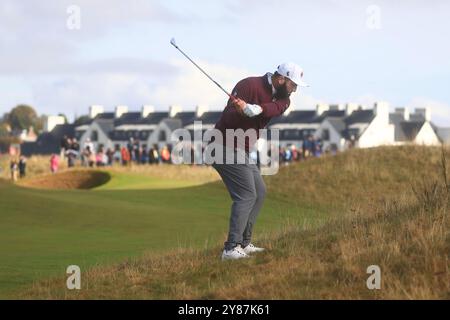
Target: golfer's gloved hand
{"points": [[252, 110]]}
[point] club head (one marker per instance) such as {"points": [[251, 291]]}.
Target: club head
{"points": [[172, 42]]}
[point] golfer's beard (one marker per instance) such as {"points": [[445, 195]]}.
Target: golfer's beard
{"points": [[282, 92]]}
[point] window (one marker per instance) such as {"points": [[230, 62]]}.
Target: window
{"points": [[290, 134], [325, 134], [94, 135]]}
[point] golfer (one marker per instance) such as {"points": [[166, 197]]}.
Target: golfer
{"points": [[257, 100]]}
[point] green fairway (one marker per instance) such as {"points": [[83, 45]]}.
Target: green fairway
{"points": [[44, 231]]}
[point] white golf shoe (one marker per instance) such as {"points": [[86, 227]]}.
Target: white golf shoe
{"points": [[252, 249], [234, 254]]}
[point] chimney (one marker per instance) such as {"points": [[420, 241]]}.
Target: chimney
{"points": [[336, 107], [321, 108], [381, 109], [404, 112], [120, 110], [94, 110], [51, 122], [173, 110], [146, 110], [424, 112], [201, 110], [350, 107]]}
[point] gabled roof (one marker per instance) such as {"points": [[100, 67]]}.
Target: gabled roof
{"points": [[128, 118], [408, 130], [329, 113], [105, 115], [360, 116], [63, 129], [154, 117]]}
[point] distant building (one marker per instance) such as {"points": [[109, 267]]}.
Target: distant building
{"points": [[339, 127]]}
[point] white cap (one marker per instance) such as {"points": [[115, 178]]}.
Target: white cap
{"points": [[292, 71]]}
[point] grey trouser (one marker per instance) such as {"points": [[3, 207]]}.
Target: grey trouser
{"points": [[247, 190]]}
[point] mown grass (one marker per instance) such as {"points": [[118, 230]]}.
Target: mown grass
{"points": [[385, 206]]}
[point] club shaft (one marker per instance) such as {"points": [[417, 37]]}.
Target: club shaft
{"points": [[228, 94]]}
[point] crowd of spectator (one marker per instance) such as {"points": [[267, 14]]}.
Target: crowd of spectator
{"points": [[136, 153]]}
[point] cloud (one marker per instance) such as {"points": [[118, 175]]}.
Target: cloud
{"points": [[35, 38], [75, 93], [184, 85], [191, 87]]}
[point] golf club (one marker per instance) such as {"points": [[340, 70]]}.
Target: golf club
{"points": [[172, 42]]}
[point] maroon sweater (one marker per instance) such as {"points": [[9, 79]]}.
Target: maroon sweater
{"points": [[254, 90]]}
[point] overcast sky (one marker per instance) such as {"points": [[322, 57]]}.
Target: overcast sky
{"points": [[351, 51]]}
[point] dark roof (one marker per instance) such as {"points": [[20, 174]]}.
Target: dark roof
{"points": [[360, 116], [83, 120], [209, 117], [408, 130], [329, 113], [63, 129], [186, 117], [105, 115], [295, 116], [338, 124], [154, 117], [48, 142], [128, 118]]}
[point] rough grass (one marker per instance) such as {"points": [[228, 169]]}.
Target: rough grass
{"points": [[36, 166], [390, 208]]}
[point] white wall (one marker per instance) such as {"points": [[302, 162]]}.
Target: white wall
{"points": [[335, 137], [427, 136], [379, 132], [102, 138]]}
